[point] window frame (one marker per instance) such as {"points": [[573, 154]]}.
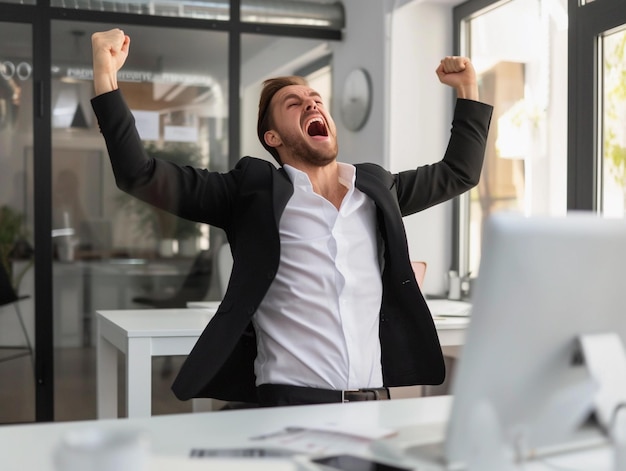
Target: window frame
{"points": [[586, 23]]}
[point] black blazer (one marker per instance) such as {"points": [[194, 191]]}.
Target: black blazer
{"points": [[248, 201]]}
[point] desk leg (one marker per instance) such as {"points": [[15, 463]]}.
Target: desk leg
{"points": [[106, 377], [139, 378]]}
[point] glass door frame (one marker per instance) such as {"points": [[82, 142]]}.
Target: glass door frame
{"points": [[44, 363], [42, 188], [587, 23]]}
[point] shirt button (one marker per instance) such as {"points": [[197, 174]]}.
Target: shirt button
{"points": [[270, 275]]}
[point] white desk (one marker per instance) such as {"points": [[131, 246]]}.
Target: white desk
{"points": [[450, 328], [140, 334], [144, 333], [30, 447]]}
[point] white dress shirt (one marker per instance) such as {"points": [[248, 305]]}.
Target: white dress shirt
{"points": [[318, 324]]}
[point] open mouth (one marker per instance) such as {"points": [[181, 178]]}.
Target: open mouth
{"points": [[317, 127]]}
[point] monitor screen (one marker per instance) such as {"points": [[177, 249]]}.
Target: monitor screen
{"points": [[543, 282]]}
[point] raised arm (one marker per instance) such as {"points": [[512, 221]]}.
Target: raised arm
{"points": [[460, 168], [459, 73], [110, 50]]}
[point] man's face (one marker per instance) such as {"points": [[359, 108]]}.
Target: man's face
{"points": [[303, 129]]}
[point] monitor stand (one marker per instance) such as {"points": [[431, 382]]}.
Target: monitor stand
{"points": [[605, 358]]}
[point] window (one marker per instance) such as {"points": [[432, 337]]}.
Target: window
{"points": [[519, 49], [613, 117], [594, 112]]}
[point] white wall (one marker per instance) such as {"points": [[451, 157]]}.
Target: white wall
{"points": [[364, 46], [411, 111], [420, 114]]}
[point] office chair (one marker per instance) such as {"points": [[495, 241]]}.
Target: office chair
{"points": [[8, 297], [194, 288], [419, 268]]}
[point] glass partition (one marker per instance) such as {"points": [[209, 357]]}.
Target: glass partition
{"points": [[17, 318], [104, 250], [112, 251]]}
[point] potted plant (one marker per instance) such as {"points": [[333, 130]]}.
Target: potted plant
{"points": [[164, 226], [13, 243], [187, 233]]}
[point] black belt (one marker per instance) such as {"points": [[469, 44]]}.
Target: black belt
{"points": [[284, 395], [365, 394]]}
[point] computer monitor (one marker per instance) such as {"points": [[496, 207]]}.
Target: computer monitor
{"points": [[522, 385], [543, 282]]}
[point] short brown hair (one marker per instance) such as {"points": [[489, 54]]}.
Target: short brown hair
{"points": [[264, 122]]}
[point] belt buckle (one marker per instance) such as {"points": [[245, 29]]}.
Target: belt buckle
{"points": [[376, 392], [344, 391]]}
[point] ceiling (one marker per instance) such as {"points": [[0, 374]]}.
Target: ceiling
{"points": [[157, 49], [153, 49], [170, 41]]}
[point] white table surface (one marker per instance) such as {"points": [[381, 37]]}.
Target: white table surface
{"points": [[141, 334], [171, 437], [451, 328]]}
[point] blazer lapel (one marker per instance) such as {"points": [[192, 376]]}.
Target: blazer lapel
{"points": [[378, 187], [283, 190]]}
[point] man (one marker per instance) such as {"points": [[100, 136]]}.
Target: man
{"points": [[322, 304]]}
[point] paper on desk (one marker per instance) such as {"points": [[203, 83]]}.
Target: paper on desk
{"points": [[358, 430], [325, 438], [168, 463], [311, 442], [449, 308]]}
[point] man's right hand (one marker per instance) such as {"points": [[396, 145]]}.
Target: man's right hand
{"points": [[110, 50]]}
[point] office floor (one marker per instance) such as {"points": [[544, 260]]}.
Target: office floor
{"points": [[75, 388]]}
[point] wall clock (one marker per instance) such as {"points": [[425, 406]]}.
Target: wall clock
{"points": [[356, 99]]}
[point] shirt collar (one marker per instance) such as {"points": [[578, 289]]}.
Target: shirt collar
{"points": [[347, 175]]}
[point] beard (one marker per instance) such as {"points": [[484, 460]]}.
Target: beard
{"points": [[305, 153]]}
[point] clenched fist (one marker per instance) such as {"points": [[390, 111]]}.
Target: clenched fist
{"points": [[458, 72], [110, 50]]}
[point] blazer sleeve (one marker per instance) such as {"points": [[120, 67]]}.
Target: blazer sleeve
{"points": [[188, 192], [460, 168]]}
